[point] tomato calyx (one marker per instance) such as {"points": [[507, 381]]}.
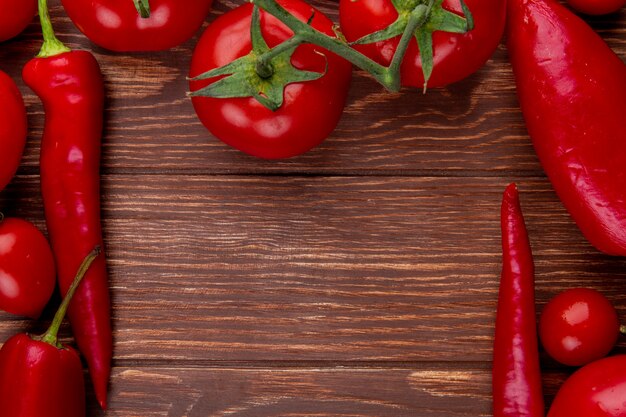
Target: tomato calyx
{"points": [[143, 8], [436, 18], [263, 74]]}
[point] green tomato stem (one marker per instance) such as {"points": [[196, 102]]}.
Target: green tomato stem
{"points": [[51, 45], [51, 335], [264, 67], [306, 33], [416, 19], [143, 8]]}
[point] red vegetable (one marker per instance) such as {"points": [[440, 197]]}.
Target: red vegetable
{"points": [[578, 326], [572, 90], [13, 129], [119, 25], [455, 55], [595, 390], [597, 7], [516, 373], [39, 377], [310, 110], [15, 16], [71, 88], [27, 274]]}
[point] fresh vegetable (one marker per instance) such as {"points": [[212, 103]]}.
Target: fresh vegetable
{"points": [[27, 274], [15, 16], [572, 90], [310, 110], [596, 7], [138, 25], [71, 88], [449, 55], [578, 326], [13, 129], [595, 390], [516, 373], [39, 377]]}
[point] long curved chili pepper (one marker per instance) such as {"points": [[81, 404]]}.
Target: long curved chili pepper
{"points": [[71, 88], [572, 91], [516, 373], [39, 377]]}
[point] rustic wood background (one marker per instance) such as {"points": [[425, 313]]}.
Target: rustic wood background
{"points": [[357, 280]]}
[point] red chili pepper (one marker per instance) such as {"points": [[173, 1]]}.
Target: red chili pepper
{"points": [[516, 373], [572, 90], [71, 88], [138, 25], [39, 377]]}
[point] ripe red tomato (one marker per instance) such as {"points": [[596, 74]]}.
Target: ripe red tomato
{"points": [[455, 56], [578, 326], [310, 111], [13, 128], [15, 16], [595, 390], [117, 25], [597, 7], [27, 273]]}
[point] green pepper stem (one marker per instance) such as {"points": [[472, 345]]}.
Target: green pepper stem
{"points": [[51, 45], [51, 335], [143, 8]]}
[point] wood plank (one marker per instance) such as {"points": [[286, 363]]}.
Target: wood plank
{"points": [[299, 392], [472, 126], [320, 268]]}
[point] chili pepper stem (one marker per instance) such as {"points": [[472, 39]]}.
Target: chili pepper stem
{"points": [[622, 329], [51, 335], [143, 8], [51, 45], [388, 77]]}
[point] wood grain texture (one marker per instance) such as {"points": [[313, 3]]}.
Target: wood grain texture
{"points": [[322, 268], [358, 280]]}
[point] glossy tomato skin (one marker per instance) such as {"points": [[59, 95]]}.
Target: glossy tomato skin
{"points": [[595, 390], [578, 326], [116, 25], [456, 56], [13, 129], [597, 7], [311, 110], [27, 270], [15, 16]]}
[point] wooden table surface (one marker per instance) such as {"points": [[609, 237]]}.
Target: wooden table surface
{"points": [[357, 280]]}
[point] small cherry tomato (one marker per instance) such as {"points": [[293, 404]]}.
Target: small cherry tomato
{"points": [[455, 56], [595, 390], [27, 273], [13, 128], [118, 26], [578, 326], [15, 16], [311, 109], [596, 7]]}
